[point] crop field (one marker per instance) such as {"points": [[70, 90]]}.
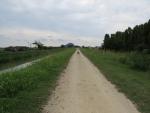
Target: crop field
{"points": [[131, 79], [26, 90]]}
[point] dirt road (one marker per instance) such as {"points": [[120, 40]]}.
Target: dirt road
{"points": [[83, 89]]}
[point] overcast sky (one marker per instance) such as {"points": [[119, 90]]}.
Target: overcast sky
{"points": [[56, 22]]}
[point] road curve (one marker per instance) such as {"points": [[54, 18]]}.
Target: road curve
{"points": [[83, 89]]}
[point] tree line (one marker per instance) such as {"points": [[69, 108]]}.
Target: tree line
{"points": [[137, 38]]}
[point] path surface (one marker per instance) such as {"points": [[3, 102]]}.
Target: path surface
{"points": [[83, 89]]}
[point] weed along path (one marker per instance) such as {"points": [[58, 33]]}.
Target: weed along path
{"points": [[83, 89]]}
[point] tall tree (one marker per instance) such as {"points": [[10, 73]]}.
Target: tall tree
{"points": [[137, 38]]}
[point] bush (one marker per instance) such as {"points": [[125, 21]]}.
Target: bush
{"points": [[136, 60], [123, 60], [146, 51], [139, 61], [141, 47]]}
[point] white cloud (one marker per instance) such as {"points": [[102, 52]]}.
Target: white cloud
{"points": [[28, 36], [85, 19]]}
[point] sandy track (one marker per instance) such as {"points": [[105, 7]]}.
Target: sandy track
{"points": [[83, 89]]}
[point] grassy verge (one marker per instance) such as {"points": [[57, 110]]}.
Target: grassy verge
{"points": [[9, 59], [26, 90], [134, 83]]}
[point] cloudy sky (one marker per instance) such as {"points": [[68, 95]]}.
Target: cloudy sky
{"points": [[55, 22]]}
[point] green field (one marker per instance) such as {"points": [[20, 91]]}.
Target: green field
{"points": [[10, 59], [26, 90], [134, 83]]}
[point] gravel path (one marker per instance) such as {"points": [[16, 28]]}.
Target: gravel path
{"points": [[83, 89]]}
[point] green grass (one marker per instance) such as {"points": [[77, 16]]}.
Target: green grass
{"points": [[134, 83], [137, 60], [26, 90], [9, 59]]}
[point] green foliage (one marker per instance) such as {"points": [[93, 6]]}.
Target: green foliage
{"points": [[134, 83], [136, 60], [139, 61], [137, 39], [146, 51], [123, 60], [26, 90]]}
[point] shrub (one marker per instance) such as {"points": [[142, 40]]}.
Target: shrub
{"points": [[146, 51], [123, 59], [139, 61]]}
